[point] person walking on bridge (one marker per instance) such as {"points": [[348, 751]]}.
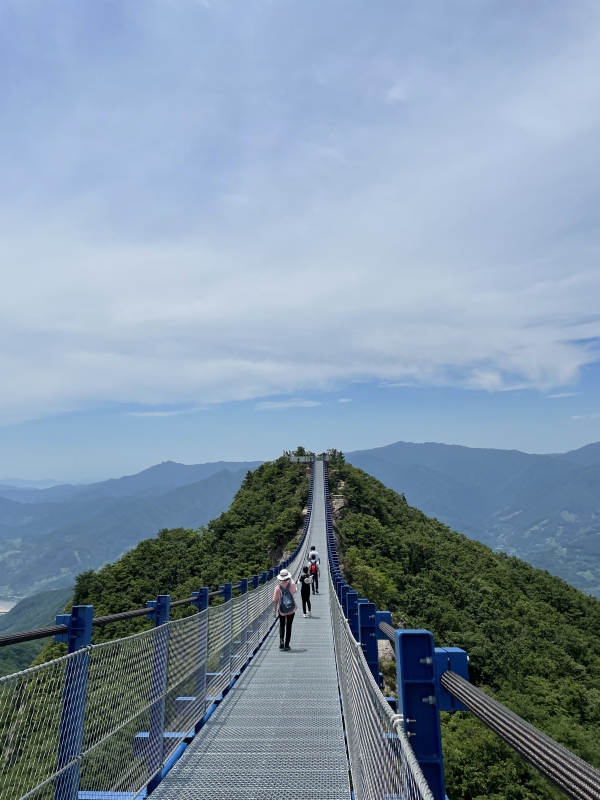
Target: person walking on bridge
{"points": [[284, 606], [314, 561], [305, 581]]}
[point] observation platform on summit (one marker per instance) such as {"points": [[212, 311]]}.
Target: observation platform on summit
{"points": [[280, 732], [209, 707]]}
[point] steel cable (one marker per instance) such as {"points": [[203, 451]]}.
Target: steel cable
{"points": [[571, 774]]}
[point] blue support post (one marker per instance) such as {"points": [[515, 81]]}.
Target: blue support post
{"points": [[418, 703], [160, 611], [382, 616], [255, 579], [77, 637], [242, 585], [368, 637], [455, 660], [201, 601], [226, 591], [352, 614], [201, 598], [343, 594]]}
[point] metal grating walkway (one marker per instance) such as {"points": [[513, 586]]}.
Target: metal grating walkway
{"points": [[279, 731]]}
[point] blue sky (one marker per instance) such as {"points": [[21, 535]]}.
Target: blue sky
{"points": [[219, 219]]}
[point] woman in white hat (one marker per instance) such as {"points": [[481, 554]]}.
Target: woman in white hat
{"points": [[284, 605]]}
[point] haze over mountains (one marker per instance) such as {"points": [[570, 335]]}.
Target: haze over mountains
{"points": [[542, 508], [48, 536]]}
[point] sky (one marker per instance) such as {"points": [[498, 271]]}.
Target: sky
{"points": [[227, 228]]}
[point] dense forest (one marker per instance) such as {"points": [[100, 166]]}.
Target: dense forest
{"points": [[533, 640]]}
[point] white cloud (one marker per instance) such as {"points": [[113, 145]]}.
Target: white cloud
{"points": [[344, 400], [171, 413], [586, 416], [276, 405], [564, 394], [220, 210], [153, 413]]}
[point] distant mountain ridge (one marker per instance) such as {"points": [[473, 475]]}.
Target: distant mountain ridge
{"points": [[584, 456], [166, 475], [543, 508], [40, 484], [49, 536]]}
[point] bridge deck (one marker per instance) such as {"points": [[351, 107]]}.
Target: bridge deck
{"points": [[279, 731]]}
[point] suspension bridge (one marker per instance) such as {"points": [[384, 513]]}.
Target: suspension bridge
{"points": [[208, 706]]}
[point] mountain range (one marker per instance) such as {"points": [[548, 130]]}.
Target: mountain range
{"points": [[48, 536], [544, 509]]}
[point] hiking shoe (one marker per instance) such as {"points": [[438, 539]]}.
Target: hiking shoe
{"points": [[304, 615], [281, 645], [287, 647]]}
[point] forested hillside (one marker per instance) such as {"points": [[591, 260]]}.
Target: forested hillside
{"points": [[250, 537], [541, 508], [533, 640]]}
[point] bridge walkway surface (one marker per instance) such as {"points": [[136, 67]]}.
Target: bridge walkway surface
{"points": [[279, 732]]}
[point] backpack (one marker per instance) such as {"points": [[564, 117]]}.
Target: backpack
{"points": [[286, 601], [313, 568]]}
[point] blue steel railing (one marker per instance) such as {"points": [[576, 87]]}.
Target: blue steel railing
{"points": [[108, 721], [433, 679], [419, 666]]}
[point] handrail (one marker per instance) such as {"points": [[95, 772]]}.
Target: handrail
{"points": [[29, 636], [378, 767], [571, 774], [567, 771], [54, 630]]}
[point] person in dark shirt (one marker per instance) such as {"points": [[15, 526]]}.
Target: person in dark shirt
{"points": [[304, 582]]}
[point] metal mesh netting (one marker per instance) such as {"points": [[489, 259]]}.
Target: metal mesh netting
{"points": [[30, 721], [381, 759], [139, 696]]}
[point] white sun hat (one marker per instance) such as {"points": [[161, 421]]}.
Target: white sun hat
{"points": [[284, 575]]}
